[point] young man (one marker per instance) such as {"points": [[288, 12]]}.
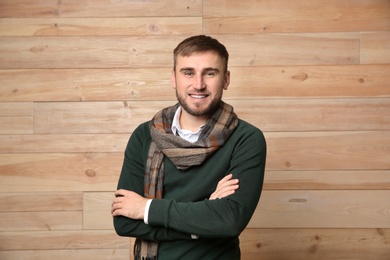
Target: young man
{"points": [[193, 175]]}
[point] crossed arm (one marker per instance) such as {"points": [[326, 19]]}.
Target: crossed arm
{"points": [[131, 205]]}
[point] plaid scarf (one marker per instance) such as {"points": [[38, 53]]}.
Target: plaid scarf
{"points": [[182, 153]]}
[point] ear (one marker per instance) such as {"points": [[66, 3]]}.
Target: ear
{"points": [[173, 79], [227, 80]]}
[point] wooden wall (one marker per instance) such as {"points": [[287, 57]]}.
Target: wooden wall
{"points": [[76, 77]]}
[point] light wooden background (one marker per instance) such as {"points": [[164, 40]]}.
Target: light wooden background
{"points": [[76, 77]]}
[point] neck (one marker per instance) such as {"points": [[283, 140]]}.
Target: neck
{"points": [[190, 122]]}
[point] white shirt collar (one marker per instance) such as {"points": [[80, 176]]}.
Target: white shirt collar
{"points": [[188, 135]]}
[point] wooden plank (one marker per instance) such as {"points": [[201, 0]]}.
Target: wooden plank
{"points": [[41, 220], [93, 117], [286, 151], [253, 17], [327, 180], [323, 209], [86, 52], [328, 150], [140, 84], [316, 114], [16, 125], [15, 109], [69, 172], [285, 209], [309, 81], [79, 143], [86, 84], [100, 172], [346, 150], [41, 201], [269, 115], [98, 204], [100, 26], [375, 48], [292, 49], [156, 51], [79, 254], [62, 239], [315, 244], [99, 8]]}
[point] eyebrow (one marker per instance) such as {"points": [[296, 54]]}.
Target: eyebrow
{"points": [[204, 70]]}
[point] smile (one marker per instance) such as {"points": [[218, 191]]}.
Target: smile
{"points": [[198, 96]]}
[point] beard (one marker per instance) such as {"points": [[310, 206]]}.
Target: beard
{"points": [[200, 111]]}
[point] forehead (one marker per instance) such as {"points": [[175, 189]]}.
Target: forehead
{"points": [[199, 60]]}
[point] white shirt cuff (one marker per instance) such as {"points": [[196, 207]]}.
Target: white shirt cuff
{"points": [[146, 212], [194, 236]]}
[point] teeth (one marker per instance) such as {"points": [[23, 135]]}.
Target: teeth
{"points": [[198, 96]]}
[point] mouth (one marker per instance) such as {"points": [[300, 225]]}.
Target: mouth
{"points": [[198, 96]]}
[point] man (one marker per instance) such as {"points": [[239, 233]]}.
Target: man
{"points": [[192, 176]]}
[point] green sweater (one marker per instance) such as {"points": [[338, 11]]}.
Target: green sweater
{"points": [[185, 208]]}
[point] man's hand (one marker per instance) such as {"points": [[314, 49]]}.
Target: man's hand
{"points": [[225, 187], [128, 204]]}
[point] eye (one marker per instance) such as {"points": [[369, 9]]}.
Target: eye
{"points": [[211, 74], [188, 73]]}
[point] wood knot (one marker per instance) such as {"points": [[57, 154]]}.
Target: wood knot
{"points": [[153, 28], [298, 200], [38, 49], [90, 173], [300, 77]]}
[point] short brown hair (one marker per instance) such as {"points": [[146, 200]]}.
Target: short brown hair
{"points": [[200, 43]]}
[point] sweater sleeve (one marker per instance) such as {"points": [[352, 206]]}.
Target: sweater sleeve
{"points": [[226, 217], [132, 178]]}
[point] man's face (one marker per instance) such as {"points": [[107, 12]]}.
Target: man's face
{"points": [[199, 81]]}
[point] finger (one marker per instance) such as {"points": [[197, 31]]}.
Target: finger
{"points": [[120, 193], [226, 191], [226, 178], [227, 183]]}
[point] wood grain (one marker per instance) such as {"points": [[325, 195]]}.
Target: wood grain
{"points": [[84, 143], [97, 204], [121, 51], [286, 209], [139, 84], [268, 115], [65, 172], [99, 8], [42, 220], [100, 26], [62, 239], [257, 17], [66, 254], [86, 84], [328, 150], [315, 244], [77, 77], [16, 125], [327, 180], [48, 172], [375, 48], [323, 209], [42, 201]]}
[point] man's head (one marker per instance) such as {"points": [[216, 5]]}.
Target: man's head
{"points": [[200, 76], [199, 44]]}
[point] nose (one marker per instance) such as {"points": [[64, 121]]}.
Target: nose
{"points": [[199, 83]]}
